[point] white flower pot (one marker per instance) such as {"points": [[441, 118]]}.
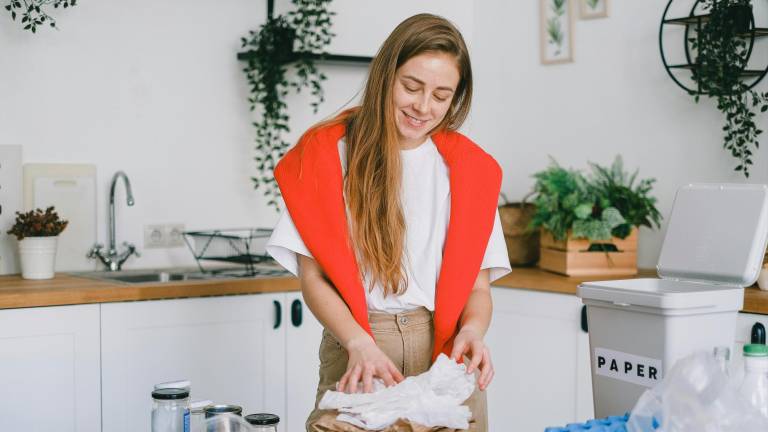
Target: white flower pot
{"points": [[38, 257]]}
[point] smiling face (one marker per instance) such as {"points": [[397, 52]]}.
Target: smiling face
{"points": [[422, 95]]}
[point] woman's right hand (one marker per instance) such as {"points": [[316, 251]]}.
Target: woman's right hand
{"points": [[366, 362]]}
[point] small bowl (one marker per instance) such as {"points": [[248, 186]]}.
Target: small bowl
{"points": [[762, 280]]}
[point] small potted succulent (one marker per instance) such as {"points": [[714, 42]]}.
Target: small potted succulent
{"points": [[37, 231]]}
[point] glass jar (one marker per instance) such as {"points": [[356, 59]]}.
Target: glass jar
{"points": [[214, 410], [263, 422], [170, 410], [224, 418], [197, 415]]}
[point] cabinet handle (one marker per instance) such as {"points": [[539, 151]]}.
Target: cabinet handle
{"points": [[296, 313], [584, 326], [278, 314], [758, 334]]}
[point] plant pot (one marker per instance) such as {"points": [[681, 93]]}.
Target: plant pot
{"points": [[572, 257], [522, 244], [38, 257], [740, 16], [282, 42]]}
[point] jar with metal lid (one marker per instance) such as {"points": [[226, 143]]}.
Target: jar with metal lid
{"points": [[170, 410], [224, 418], [197, 415], [263, 422]]}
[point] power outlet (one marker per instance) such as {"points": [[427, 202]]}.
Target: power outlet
{"points": [[174, 235], [154, 236]]}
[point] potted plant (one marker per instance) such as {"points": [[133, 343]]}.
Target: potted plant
{"points": [[284, 42], [589, 224], [37, 231], [722, 47]]}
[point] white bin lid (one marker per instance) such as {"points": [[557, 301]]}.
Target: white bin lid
{"points": [[717, 233], [694, 297]]}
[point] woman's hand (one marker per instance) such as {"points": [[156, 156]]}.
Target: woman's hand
{"points": [[469, 342], [367, 361]]}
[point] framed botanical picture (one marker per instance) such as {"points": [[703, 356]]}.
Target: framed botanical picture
{"points": [[555, 31], [589, 9]]}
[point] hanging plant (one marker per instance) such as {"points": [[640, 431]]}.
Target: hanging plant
{"points": [[722, 51], [279, 46], [33, 12]]}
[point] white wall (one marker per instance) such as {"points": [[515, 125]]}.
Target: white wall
{"points": [[153, 87], [616, 98]]}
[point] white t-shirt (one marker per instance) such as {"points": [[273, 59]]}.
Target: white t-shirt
{"points": [[426, 204]]}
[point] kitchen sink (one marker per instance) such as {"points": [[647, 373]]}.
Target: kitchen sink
{"points": [[141, 276], [179, 274], [148, 277]]}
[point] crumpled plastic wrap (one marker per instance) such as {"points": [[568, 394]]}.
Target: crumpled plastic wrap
{"points": [[432, 399], [696, 396]]}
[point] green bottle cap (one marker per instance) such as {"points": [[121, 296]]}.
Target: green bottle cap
{"points": [[755, 350]]}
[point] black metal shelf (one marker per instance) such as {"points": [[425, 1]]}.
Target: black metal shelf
{"points": [[324, 58], [693, 19], [318, 58], [697, 19], [745, 73]]}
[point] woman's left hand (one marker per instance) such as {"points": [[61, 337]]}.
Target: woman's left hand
{"points": [[470, 343]]}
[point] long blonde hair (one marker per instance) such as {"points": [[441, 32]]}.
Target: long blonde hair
{"points": [[373, 176]]}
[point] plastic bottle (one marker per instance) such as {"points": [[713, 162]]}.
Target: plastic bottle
{"points": [[755, 384], [722, 355]]}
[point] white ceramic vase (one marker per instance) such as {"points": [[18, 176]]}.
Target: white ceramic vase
{"points": [[38, 257]]}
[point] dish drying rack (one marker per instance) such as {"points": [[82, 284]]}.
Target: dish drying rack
{"points": [[235, 246]]}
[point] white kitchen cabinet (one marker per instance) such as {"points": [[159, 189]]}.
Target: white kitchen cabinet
{"points": [[302, 361], [49, 369], [232, 349], [541, 358]]}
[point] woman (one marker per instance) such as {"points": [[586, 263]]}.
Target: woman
{"points": [[392, 225]]}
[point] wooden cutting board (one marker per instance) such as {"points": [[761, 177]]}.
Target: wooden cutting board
{"points": [[71, 188]]}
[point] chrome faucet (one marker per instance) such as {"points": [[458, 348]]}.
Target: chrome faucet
{"points": [[113, 259]]}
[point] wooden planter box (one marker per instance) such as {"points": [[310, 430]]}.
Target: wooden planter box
{"points": [[571, 257]]}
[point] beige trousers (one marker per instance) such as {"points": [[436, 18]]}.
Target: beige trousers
{"points": [[407, 339]]}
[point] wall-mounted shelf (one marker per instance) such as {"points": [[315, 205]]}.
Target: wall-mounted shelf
{"points": [[746, 73], [318, 58], [700, 19], [693, 23], [326, 58]]}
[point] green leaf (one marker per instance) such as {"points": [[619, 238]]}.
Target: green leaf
{"points": [[583, 211], [612, 217]]}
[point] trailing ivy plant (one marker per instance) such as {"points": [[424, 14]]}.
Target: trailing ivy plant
{"points": [[277, 49], [722, 48], [604, 205], [33, 12]]}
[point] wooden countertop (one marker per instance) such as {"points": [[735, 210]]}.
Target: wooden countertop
{"points": [[67, 289], [755, 300]]}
